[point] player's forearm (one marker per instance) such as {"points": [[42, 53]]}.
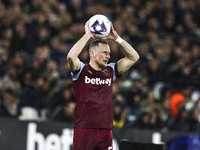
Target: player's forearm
{"points": [[129, 51], [72, 57], [131, 57], [78, 47]]}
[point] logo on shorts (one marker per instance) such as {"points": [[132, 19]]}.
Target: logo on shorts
{"points": [[106, 72], [109, 148]]}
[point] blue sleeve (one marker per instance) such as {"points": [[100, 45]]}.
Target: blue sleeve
{"points": [[76, 75], [115, 72]]}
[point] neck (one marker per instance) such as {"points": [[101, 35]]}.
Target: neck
{"points": [[95, 66]]}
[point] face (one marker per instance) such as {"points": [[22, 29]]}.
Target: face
{"points": [[101, 55]]}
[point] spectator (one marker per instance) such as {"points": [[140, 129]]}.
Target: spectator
{"points": [[154, 109], [19, 39], [9, 104], [180, 122], [60, 53], [155, 120], [143, 121], [194, 120], [66, 112], [51, 77], [63, 95], [165, 112], [176, 103], [149, 102], [119, 117], [3, 61], [10, 81], [32, 95], [25, 77]]}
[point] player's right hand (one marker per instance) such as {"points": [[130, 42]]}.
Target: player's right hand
{"points": [[87, 30]]}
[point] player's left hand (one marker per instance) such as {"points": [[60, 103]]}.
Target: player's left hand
{"points": [[112, 35]]}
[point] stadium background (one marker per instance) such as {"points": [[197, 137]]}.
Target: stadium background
{"points": [[160, 93]]}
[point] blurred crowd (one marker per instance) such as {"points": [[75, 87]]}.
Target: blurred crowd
{"points": [[161, 91]]}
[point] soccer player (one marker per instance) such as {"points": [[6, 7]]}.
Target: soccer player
{"points": [[93, 89]]}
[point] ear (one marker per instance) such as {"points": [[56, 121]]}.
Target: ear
{"points": [[92, 53]]}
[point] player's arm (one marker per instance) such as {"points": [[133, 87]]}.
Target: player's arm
{"points": [[131, 56], [72, 57]]}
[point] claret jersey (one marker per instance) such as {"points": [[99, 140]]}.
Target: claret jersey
{"points": [[93, 96]]}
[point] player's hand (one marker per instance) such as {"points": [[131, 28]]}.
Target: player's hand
{"points": [[87, 30], [112, 35]]}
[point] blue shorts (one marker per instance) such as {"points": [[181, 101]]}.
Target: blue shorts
{"points": [[92, 139]]}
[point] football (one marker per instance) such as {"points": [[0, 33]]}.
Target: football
{"points": [[99, 25]]}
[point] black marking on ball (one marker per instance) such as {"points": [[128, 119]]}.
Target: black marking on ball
{"points": [[102, 25]]}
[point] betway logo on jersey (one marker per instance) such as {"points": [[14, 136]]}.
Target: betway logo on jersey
{"points": [[97, 81]]}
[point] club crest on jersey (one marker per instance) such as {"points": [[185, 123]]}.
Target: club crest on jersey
{"points": [[106, 72]]}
